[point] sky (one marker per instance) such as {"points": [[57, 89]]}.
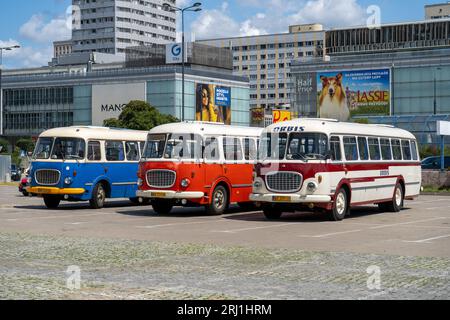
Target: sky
{"points": [[34, 25]]}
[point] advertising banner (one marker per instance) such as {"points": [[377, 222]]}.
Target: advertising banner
{"points": [[257, 116], [213, 103], [174, 53], [281, 115], [109, 100], [343, 94]]}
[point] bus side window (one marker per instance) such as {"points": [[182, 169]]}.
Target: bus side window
{"points": [[414, 150], [350, 149], [232, 149], [335, 149], [363, 149], [396, 149], [94, 153], [374, 149], [132, 150], [406, 150], [142, 145], [386, 149], [211, 151], [114, 151], [250, 151]]}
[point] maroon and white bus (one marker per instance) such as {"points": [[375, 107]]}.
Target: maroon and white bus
{"points": [[330, 165]]}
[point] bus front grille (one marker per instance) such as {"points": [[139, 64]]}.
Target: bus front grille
{"points": [[161, 178], [284, 181], [47, 177]]}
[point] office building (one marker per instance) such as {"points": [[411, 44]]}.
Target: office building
{"points": [[110, 26], [61, 48], [437, 11]]}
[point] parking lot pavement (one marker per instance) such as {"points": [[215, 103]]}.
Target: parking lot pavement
{"points": [[422, 229], [129, 252]]}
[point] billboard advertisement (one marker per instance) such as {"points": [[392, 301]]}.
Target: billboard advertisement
{"points": [[281, 115], [344, 94], [213, 103], [109, 100], [257, 116]]}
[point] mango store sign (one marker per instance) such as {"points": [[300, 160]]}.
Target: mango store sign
{"points": [[109, 100]]}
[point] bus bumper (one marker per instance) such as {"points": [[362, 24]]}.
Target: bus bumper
{"points": [[289, 198], [55, 191], [157, 194]]}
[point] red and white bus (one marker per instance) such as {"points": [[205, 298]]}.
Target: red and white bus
{"points": [[331, 165], [198, 164]]}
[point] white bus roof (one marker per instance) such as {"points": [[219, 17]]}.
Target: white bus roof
{"points": [[206, 128], [100, 133], [331, 126]]}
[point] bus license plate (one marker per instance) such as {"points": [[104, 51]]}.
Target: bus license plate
{"points": [[158, 194], [43, 191], [281, 199]]}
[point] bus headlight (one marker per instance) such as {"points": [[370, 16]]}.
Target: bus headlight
{"points": [[185, 183], [140, 182], [312, 186], [29, 179], [68, 180]]}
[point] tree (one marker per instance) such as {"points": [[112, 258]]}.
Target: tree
{"points": [[25, 144], [139, 115]]}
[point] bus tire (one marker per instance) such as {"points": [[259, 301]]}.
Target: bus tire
{"points": [[397, 201], [140, 201], [272, 213], [219, 202], [162, 206], [98, 197], [340, 206], [51, 202]]}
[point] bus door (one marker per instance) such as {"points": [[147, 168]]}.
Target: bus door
{"points": [[214, 164], [118, 170]]}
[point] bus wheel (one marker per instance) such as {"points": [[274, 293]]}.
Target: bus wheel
{"points": [[162, 206], [219, 202], [140, 201], [272, 213], [397, 201], [98, 197], [51, 202], [340, 207]]}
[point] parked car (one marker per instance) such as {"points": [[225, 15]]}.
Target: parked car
{"points": [[15, 173], [434, 163]]}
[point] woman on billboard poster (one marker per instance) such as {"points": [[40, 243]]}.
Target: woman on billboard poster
{"points": [[206, 110]]}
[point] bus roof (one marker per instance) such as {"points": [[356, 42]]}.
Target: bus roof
{"points": [[207, 128], [330, 126], [101, 133]]}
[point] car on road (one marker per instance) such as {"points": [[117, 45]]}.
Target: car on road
{"points": [[434, 163]]}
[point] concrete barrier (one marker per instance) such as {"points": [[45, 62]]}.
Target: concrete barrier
{"points": [[436, 179]]}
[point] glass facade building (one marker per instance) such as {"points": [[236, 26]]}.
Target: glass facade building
{"points": [[35, 102], [419, 92]]}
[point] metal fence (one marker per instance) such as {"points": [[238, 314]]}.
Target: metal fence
{"points": [[5, 169]]}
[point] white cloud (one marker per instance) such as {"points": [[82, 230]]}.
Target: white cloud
{"points": [[27, 57], [38, 30], [275, 16]]}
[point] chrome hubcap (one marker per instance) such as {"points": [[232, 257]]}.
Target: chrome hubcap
{"points": [[340, 203], [398, 196], [219, 199], [101, 195]]}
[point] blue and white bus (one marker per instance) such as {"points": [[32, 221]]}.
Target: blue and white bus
{"points": [[86, 164]]}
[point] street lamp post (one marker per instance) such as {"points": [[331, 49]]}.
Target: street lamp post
{"points": [[1, 89], [194, 8]]}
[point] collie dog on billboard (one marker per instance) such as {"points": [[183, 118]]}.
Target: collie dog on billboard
{"points": [[333, 99]]}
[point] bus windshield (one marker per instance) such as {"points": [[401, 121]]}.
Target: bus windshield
{"points": [[69, 148], [154, 148], [307, 146], [273, 146], [183, 146], [43, 148]]}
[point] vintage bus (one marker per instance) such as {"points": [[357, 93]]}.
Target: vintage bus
{"points": [[330, 166], [86, 164], [198, 164]]}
